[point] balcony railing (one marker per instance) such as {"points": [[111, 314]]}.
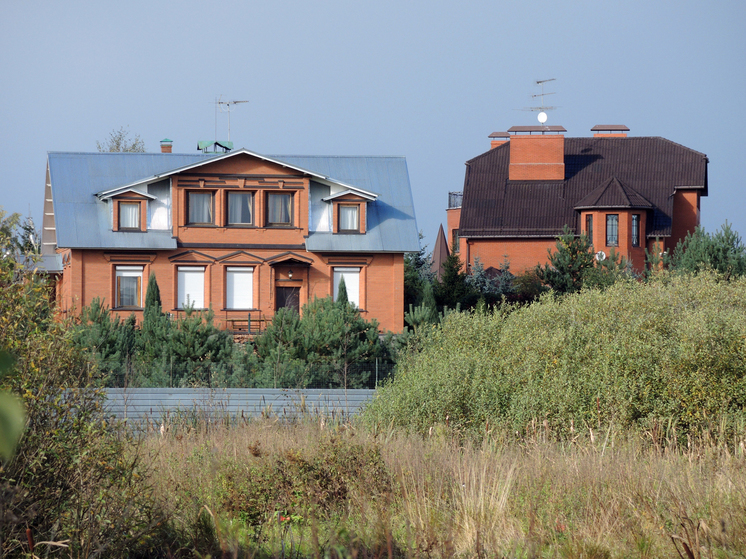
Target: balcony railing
{"points": [[454, 199]]}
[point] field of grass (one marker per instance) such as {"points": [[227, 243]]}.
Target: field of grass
{"points": [[314, 489]]}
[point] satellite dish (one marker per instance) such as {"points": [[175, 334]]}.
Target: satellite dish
{"points": [[542, 116], [600, 256]]}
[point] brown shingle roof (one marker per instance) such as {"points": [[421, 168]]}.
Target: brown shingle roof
{"points": [[613, 193], [647, 172]]}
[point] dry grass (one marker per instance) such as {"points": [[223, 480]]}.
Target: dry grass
{"points": [[613, 495]]}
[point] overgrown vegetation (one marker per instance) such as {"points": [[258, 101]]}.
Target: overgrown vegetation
{"points": [[672, 349], [73, 480]]}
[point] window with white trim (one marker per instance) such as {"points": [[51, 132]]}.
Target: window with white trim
{"points": [[352, 283], [128, 287], [239, 288], [191, 287]]}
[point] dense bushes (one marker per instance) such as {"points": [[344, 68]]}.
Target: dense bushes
{"points": [[72, 479], [671, 348]]}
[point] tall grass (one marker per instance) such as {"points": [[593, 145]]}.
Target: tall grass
{"points": [[315, 489]]}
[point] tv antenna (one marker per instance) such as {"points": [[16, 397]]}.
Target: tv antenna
{"points": [[542, 116], [225, 107]]}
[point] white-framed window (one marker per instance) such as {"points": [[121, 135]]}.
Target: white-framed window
{"points": [[349, 219], [240, 208], [352, 283], [129, 215], [239, 288], [128, 287], [191, 286]]}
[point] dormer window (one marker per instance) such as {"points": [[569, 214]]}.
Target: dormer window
{"points": [[349, 218], [129, 216]]}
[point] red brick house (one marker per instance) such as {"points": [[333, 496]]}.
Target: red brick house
{"points": [[239, 232], [625, 193]]}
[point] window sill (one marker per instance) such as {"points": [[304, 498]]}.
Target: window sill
{"points": [[239, 310], [240, 226], [128, 230], [202, 225], [127, 309]]}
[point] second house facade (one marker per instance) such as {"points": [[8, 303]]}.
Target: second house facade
{"points": [[241, 233]]}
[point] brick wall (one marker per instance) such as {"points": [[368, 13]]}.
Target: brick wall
{"points": [[540, 157]]}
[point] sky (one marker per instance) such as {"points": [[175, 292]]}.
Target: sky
{"points": [[428, 80]]}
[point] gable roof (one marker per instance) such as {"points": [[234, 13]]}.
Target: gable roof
{"points": [[81, 181], [599, 172]]}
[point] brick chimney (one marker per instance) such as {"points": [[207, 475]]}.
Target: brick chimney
{"points": [[538, 155], [610, 131], [498, 139], [166, 145]]}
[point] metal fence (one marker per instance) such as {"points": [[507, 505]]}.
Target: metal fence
{"points": [[156, 408]]}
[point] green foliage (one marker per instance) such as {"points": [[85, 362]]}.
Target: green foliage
{"points": [[342, 293], [12, 414], [453, 289], [567, 266], [119, 140], [319, 348], [417, 275], [70, 477], [671, 349], [722, 251]]}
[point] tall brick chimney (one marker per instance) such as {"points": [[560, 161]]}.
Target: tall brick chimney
{"points": [[498, 139], [610, 131], [538, 155], [166, 145]]}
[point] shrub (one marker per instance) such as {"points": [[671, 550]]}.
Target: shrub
{"points": [[674, 348]]}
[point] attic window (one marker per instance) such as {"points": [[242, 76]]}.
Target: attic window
{"points": [[129, 216], [349, 217]]}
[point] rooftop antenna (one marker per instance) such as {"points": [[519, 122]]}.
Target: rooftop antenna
{"points": [[542, 116], [225, 107]]}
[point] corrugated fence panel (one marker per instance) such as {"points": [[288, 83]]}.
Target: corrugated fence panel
{"points": [[154, 405]]}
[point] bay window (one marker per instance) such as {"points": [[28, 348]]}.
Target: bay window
{"points": [[612, 230]]}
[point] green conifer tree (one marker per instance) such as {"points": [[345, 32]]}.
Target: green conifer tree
{"points": [[342, 292]]}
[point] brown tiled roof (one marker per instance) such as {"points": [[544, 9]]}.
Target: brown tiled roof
{"points": [[613, 193], [647, 170]]}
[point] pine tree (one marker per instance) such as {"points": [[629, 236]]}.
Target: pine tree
{"points": [[154, 336], [722, 251], [567, 266]]}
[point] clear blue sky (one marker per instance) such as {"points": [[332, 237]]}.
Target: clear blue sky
{"points": [[429, 80]]}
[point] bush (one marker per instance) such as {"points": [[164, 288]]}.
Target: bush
{"points": [[674, 348], [72, 476]]}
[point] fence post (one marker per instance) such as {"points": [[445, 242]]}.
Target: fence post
{"points": [[376, 372]]}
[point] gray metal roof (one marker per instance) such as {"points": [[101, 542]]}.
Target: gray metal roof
{"points": [[84, 221], [390, 225]]}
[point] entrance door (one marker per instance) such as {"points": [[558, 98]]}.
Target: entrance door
{"points": [[287, 297]]}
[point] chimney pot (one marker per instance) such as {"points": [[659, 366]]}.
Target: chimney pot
{"points": [[166, 145]]}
